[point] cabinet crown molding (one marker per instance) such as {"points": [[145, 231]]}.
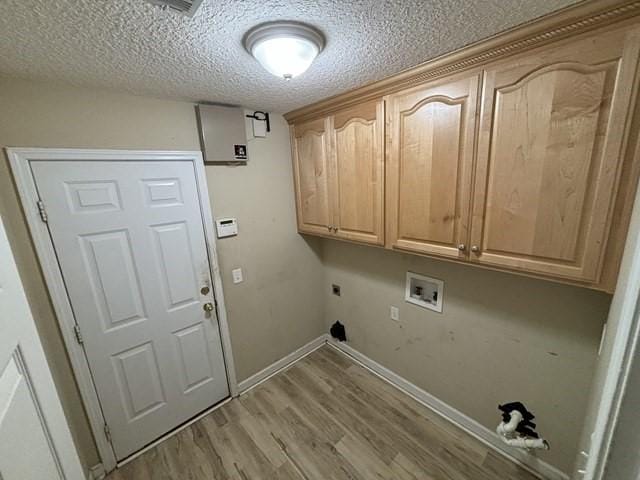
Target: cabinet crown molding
{"points": [[570, 21]]}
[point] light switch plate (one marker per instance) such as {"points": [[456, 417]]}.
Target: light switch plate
{"points": [[394, 313], [237, 275]]}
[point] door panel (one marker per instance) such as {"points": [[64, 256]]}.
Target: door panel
{"points": [[194, 355], [548, 160], [175, 264], [358, 172], [114, 281], [311, 176], [130, 243], [163, 192], [431, 137], [35, 442], [132, 365], [558, 161], [88, 197]]}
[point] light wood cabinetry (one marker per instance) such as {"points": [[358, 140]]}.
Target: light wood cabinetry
{"points": [[549, 156], [357, 136], [517, 154], [430, 141], [310, 151], [339, 174]]}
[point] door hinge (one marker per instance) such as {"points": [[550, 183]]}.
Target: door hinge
{"points": [[107, 433], [42, 211], [76, 330]]}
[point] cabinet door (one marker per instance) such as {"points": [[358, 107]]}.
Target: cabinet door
{"points": [[430, 157], [357, 136], [310, 147], [550, 144]]}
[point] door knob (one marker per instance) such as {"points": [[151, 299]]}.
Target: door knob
{"points": [[462, 247], [335, 229], [208, 307], [475, 249], [329, 227]]}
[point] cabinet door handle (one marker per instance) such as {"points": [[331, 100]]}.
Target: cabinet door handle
{"points": [[462, 247], [475, 249]]}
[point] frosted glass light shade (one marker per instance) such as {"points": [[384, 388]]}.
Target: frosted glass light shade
{"points": [[286, 49], [285, 57]]}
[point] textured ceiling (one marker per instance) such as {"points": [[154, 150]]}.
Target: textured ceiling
{"points": [[130, 45]]}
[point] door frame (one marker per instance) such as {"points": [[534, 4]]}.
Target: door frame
{"points": [[619, 346], [19, 159]]}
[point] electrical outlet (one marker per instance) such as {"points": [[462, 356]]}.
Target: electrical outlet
{"points": [[335, 289], [237, 275], [394, 313]]}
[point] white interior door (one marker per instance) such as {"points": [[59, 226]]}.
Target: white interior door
{"points": [[35, 442], [129, 238]]}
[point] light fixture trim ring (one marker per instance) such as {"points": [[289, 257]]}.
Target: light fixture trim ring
{"points": [[286, 28]]}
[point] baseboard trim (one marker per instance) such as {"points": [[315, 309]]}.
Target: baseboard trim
{"points": [[268, 372], [97, 472], [526, 460]]}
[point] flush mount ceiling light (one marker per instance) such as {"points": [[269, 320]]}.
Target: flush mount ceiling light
{"points": [[285, 49]]}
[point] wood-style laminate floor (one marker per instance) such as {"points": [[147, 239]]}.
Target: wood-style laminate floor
{"points": [[323, 418]]}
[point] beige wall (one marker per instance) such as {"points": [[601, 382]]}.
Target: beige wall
{"points": [[271, 314], [279, 306], [500, 337]]}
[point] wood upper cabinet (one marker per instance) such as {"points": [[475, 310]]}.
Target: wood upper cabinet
{"points": [[310, 148], [357, 172], [549, 155], [518, 154], [339, 174], [430, 143]]}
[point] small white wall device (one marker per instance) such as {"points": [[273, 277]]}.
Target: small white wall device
{"points": [[226, 227]]}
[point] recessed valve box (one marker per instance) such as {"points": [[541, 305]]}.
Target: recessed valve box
{"points": [[426, 292]]}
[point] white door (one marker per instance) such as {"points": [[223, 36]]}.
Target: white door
{"points": [[35, 442], [130, 242]]}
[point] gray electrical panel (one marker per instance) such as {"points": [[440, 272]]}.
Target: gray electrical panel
{"points": [[222, 133]]}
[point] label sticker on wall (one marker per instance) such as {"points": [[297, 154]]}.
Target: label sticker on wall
{"points": [[240, 152]]}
